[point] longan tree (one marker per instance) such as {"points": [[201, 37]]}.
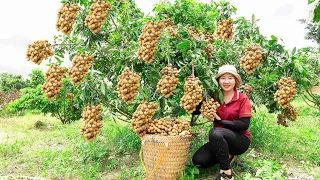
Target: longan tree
{"points": [[121, 58]]}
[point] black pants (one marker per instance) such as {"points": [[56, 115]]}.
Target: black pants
{"points": [[222, 142]]}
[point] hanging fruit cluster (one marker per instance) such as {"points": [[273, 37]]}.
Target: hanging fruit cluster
{"points": [[128, 85], [80, 67], [169, 27], [66, 15], [38, 51], [53, 83], [289, 113], [224, 29], [91, 122], [252, 58], [209, 108], [192, 95], [209, 50], [282, 120], [142, 117], [151, 32], [286, 92], [172, 127], [246, 89], [208, 36], [169, 80], [97, 15], [194, 32]]}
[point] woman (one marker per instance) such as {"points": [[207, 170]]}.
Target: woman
{"points": [[230, 135]]}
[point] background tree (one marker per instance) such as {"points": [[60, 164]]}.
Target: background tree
{"points": [[36, 77], [9, 82]]}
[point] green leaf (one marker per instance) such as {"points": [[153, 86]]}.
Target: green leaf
{"points": [[293, 51], [273, 37], [252, 18], [311, 1], [184, 46], [316, 17], [103, 88]]}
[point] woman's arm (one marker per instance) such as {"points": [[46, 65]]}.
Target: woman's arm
{"points": [[238, 125]]}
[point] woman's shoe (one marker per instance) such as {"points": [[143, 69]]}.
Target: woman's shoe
{"points": [[224, 176]]}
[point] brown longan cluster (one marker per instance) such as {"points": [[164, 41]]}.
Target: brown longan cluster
{"points": [[192, 94], [224, 29], [289, 113], [38, 51], [151, 32], [91, 122], [66, 15], [194, 32], [53, 83], [286, 92], [209, 50], [128, 85], [282, 120], [208, 36], [97, 15], [80, 67], [252, 58], [247, 89], [209, 108], [171, 127], [142, 117], [169, 80], [169, 27]]}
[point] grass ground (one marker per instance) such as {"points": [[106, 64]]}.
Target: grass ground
{"points": [[56, 151]]}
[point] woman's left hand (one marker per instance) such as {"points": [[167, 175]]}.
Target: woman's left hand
{"points": [[212, 119]]}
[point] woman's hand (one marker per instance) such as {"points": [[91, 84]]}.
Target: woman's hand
{"points": [[212, 119]]}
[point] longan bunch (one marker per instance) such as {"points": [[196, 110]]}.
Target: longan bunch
{"points": [[291, 113], [209, 50], [53, 83], [80, 67], [97, 15], [142, 117], [169, 27], [208, 36], [66, 15], [286, 92], [169, 80], [286, 82], [247, 89], [167, 23], [192, 94], [224, 29], [128, 85], [148, 39], [38, 51], [91, 122], [282, 120], [194, 32], [172, 127], [252, 58], [209, 108]]}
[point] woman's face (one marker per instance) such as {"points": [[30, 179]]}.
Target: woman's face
{"points": [[227, 82]]}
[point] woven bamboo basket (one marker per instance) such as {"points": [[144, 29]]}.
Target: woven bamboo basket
{"points": [[164, 157]]}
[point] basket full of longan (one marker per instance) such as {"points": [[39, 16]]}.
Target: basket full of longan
{"points": [[165, 148]]}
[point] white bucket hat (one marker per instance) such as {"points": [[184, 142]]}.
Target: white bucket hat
{"points": [[229, 69]]}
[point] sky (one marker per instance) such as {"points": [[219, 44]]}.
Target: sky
{"points": [[35, 20]]}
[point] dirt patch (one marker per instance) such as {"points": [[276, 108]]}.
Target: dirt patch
{"points": [[315, 89], [110, 175]]}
